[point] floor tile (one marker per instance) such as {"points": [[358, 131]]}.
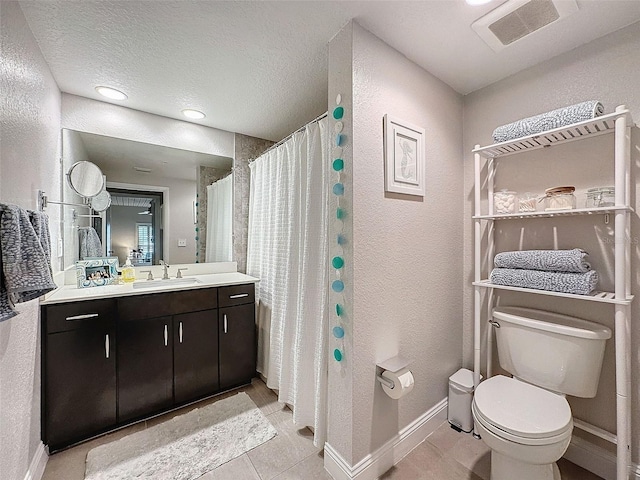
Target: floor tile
{"points": [[571, 471], [433, 464], [240, 468], [311, 468], [70, 464], [282, 452]]}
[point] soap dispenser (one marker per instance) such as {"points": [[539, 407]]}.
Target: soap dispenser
{"points": [[128, 272]]}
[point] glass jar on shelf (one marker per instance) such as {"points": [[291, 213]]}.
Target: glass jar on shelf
{"points": [[505, 201], [560, 198], [600, 197], [527, 202]]}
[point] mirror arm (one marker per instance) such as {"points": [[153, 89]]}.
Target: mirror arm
{"points": [[43, 202]]}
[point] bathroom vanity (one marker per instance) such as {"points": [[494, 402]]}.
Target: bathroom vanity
{"points": [[115, 355]]}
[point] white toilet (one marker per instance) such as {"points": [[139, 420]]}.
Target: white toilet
{"points": [[526, 420]]}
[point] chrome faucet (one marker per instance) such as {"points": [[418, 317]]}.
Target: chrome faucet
{"points": [[165, 276]]}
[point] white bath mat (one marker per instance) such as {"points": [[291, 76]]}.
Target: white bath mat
{"points": [[185, 447]]}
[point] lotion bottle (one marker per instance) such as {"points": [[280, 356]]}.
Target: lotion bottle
{"points": [[128, 272]]}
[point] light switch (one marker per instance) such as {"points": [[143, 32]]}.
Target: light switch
{"points": [[182, 242]]}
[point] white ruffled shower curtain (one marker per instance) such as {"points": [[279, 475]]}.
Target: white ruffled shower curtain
{"points": [[288, 251], [219, 242]]}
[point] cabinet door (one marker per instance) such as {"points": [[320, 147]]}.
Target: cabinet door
{"points": [[195, 355], [145, 367], [237, 344], [79, 384]]}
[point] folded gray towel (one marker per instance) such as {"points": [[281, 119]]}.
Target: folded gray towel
{"points": [[89, 243], [25, 253], [550, 260], [578, 283], [548, 121]]}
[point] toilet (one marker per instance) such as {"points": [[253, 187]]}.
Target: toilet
{"points": [[526, 420]]}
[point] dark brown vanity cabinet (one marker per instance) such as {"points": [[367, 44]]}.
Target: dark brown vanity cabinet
{"points": [[195, 355], [145, 367], [78, 371], [237, 332], [172, 348]]}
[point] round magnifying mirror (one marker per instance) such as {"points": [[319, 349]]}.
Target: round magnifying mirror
{"points": [[101, 202], [85, 178]]}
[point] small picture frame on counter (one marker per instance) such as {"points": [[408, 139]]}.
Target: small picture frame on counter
{"points": [[96, 272]]}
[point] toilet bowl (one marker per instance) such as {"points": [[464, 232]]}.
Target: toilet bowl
{"points": [[527, 428]]}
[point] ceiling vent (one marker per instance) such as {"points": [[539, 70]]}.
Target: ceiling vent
{"points": [[517, 19]]}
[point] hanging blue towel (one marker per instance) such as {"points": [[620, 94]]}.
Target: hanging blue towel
{"points": [[89, 243], [25, 253], [560, 117], [551, 260]]}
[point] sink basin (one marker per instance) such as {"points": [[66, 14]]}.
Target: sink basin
{"points": [[165, 283]]}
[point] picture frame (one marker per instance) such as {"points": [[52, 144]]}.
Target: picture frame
{"points": [[96, 272], [404, 156]]}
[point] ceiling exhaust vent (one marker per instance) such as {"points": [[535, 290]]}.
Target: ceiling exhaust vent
{"points": [[516, 19]]}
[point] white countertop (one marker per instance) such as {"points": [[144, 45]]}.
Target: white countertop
{"points": [[71, 293]]}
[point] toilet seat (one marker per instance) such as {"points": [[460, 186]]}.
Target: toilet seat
{"points": [[521, 412]]}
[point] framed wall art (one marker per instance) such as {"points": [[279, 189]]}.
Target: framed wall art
{"points": [[404, 157]]}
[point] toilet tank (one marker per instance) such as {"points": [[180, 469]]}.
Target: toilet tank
{"points": [[557, 352]]}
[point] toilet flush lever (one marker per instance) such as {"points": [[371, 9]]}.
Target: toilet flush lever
{"points": [[494, 323]]}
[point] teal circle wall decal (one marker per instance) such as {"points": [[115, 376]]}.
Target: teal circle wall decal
{"points": [[337, 262], [340, 213], [339, 309], [337, 286], [337, 354], [338, 332], [338, 164], [338, 189], [338, 113]]}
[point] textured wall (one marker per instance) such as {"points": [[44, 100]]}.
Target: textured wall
{"points": [[206, 176], [607, 70], [406, 265], [29, 152], [340, 379], [246, 149], [102, 118]]}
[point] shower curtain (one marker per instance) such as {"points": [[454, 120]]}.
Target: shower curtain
{"points": [[219, 243], [288, 251]]}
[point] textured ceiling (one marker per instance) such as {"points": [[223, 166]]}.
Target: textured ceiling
{"points": [[260, 67]]}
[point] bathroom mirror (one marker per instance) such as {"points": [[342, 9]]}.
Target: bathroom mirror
{"points": [[85, 178], [154, 205]]}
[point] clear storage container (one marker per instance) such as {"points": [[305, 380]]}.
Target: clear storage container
{"points": [[527, 202], [505, 201], [560, 198], [600, 197]]}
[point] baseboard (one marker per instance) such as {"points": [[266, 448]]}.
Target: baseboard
{"points": [[596, 459], [375, 464], [38, 464]]}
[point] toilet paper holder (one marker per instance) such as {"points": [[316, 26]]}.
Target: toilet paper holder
{"points": [[393, 364]]}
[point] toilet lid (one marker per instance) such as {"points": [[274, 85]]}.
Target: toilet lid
{"points": [[521, 409]]}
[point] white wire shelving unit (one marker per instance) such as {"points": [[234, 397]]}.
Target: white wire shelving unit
{"points": [[619, 124]]}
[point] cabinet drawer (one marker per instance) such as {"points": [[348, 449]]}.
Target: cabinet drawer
{"points": [[155, 305], [236, 295], [71, 316]]}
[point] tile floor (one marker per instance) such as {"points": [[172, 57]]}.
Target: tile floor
{"points": [[444, 455]]}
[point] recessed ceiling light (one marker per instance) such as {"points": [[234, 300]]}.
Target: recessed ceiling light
{"points": [[189, 113], [477, 2], [111, 93]]}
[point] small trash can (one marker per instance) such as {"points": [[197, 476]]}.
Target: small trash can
{"points": [[460, 397]]}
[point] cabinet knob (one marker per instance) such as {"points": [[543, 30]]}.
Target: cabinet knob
{"points": [[225, 323], [239, 295], [166, 335], [180, 332], [107, 347]]}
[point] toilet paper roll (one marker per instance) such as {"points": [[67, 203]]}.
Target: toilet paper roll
{"points": [[403, 383]]}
